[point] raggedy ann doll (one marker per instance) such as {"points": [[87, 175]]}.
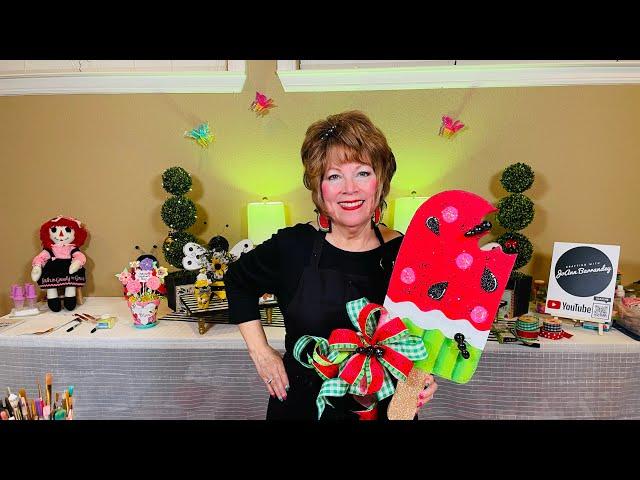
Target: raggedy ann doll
{"points": [[61, 263]]}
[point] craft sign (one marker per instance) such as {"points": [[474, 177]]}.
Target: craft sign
{"points": [[582, 281]]}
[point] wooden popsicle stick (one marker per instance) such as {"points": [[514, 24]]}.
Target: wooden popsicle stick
{"points": [[404, 404]]}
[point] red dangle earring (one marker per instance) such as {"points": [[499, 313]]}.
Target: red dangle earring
{"points": [[324, 222], [377, 216]]}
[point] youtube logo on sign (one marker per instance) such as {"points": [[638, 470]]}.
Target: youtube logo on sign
{"points": [[554, 304]]}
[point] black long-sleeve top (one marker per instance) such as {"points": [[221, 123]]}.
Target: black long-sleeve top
{"points": [[276, 266]]}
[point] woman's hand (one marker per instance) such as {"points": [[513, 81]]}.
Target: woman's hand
{"points": [[426, 395], [269, 364]]}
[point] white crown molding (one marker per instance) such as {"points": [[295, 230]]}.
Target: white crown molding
{"points": [[231, 81], [554, 73]]}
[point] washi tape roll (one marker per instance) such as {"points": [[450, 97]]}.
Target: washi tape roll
{"points": [[552, 329], [528, 320], [527, 328], [552, 325], [527, 336]]}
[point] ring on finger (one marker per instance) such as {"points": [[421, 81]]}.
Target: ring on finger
{"points": [[269, 381]]}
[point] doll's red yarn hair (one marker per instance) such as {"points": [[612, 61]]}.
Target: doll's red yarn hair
{"points": [[81, 233]]}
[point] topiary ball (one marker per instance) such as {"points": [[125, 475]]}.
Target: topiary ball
{"points": [[516, 276], [219, 243], [178, 213], [173, 245], [176, 181], [513, 242], [515, 212], [517, 178]]}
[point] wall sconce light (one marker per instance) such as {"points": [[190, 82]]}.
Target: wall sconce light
{"points": [[264, 219], [404, 209]]}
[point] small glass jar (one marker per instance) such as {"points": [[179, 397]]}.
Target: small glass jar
{"points": [[541, 299]]}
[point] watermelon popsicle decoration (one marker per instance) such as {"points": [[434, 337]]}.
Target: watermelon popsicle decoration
{"points": [[447, 290]]}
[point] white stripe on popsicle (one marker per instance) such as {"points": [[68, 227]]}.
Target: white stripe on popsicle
{"points": [[435, 319]]}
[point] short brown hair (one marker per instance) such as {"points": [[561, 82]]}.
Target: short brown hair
{"points": [[360, 140]]}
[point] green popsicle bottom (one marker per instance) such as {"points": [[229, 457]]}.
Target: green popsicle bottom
{"points": [[444, 359]]}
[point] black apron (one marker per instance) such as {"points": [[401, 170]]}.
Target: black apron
{"points": [[55, 272], [317, 308]]}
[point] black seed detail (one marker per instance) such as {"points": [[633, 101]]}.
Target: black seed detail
{"points": [[437, 290], [434, 225], [488, 281], [478, 229]]}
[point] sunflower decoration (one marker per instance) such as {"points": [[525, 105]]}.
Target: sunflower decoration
{"points": [[219, 264]]}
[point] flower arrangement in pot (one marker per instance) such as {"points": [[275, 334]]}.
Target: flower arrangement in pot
{"points": [[144, 287]]}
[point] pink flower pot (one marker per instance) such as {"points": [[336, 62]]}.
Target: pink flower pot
{"points": [[144, 313], [17, 294], [30, 294]]}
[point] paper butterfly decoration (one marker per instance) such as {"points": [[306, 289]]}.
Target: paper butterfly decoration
{"points": [[261, 104], [194, 256], [450, 127], [243, 246], [201, 134]]}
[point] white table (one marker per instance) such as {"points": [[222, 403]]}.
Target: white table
{"points": [[167, 334], [171, 371]]}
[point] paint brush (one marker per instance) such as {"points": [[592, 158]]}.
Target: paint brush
{"points": [[74, 326], [71, 403], [86, 317], [23, 397], [24, 409], [48, 380]]}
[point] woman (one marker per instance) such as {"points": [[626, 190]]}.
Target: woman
{"points": [[315, 271]]}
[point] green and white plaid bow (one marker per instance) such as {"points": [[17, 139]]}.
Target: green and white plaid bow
{"points": [[362, 362]]}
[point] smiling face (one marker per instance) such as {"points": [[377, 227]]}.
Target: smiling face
{"points": [[61, 235], [349, 191]]}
